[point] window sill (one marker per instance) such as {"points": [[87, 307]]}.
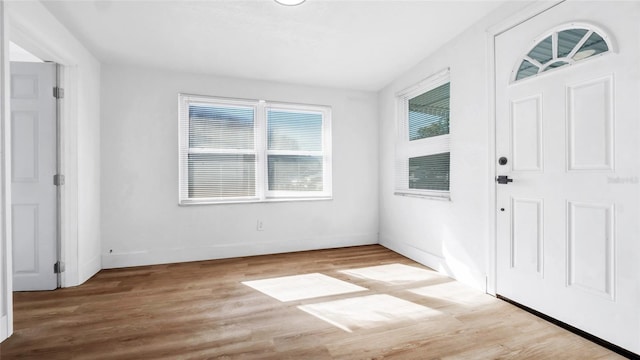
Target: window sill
{"points": [[251, 201], [440, 197]]}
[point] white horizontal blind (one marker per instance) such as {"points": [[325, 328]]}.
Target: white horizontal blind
{"points": [[423, 141], [243, 150]]}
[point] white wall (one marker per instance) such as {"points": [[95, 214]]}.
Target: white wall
{"points": [[36, 30], [141, 220], [449, 236]]}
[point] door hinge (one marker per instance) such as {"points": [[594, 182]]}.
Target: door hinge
{"points": [[58, 92], [58, 267], [58, 179]]}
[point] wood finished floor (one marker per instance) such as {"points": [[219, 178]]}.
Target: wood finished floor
{"points": [[201, 310]]}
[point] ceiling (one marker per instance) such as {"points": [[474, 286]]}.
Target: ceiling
{"points": [[359, 45]]}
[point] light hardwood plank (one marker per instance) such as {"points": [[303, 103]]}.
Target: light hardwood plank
{"points": [[201, 310]]}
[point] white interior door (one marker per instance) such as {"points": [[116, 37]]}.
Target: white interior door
{"points": [[567, 225], [33, 165]]}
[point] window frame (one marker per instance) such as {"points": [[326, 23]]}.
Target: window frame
{"points": [[260, 150], [553, 33], [407, 149]]}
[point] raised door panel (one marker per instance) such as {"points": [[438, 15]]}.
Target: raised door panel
{"points": [[25, 225], [24, 87], [527, 236], [590, 122], [526, 133], [591, 247], [25, 151]]}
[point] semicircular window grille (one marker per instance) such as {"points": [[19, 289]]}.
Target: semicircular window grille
{"points": [[562, 47]]}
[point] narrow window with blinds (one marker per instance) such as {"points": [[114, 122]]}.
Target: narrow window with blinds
{"points": [[422, 144], [252, 151], [294, 151]]}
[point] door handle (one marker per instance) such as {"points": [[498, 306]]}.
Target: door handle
{"points": [[503, 179]]}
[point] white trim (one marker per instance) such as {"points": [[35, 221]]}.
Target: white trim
{"points": [[439, 78], [90, 268], [434, 261], [231, 201], [530, 12], [183, 140], [233, 249], [433, 195], [522, 16], [220, 151], [294, 152], [4, 326], [6, 268], [532, 61], [68, 118], [261, 141], [59, 82], [206, 100]]}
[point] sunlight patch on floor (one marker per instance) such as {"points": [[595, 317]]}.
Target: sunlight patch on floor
{"points": [[455, 292], [395, 274], [368, 311], [300, 287]]}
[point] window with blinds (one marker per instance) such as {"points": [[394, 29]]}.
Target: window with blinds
{"points": [[422, 145], [294, 151], [252, 151]]}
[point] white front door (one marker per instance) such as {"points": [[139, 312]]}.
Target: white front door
{"points": [[568, 225], [33, 166]]}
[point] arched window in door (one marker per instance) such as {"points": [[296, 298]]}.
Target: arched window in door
{"points": [[563, 46]]}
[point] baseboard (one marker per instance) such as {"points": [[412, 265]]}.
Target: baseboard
{"points": [[5, 328], [186, 254], [90, 268], [70, 277], [450, 267], [436, 262]]}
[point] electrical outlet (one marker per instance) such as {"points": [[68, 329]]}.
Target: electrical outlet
{"points": [[260, 225]]}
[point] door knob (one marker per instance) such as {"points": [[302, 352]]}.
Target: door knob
{"points": [[503, 179]]}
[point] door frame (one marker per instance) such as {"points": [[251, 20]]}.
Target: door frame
{"points": [[524, 15], [67, 77], [60, 72], [66, 108], [6, 264]]}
